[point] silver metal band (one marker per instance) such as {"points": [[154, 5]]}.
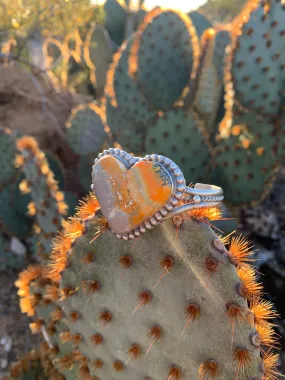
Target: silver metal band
{"points": [[202, 195], [191, 206]]}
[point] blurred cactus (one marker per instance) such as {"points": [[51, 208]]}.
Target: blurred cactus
{"points": [[164, 54], [8, 151], [181, 134], [152, 296], [200, 22], [47, 201], [12, 222], [85, 129], [98, 53], [35, 365], [115, 19], [9, 259]]}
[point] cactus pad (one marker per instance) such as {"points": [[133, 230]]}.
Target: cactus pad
{"points": [[12, 222], [71, 201], [85, 129], [209, 86], [200, 22], [258, 51], [124, 91], [164, 54], [115, 19], [246, 161], [180, 308], [98, 53], [8, 152], [181, 136], [20, 200], [129, 135], [84, 170]]}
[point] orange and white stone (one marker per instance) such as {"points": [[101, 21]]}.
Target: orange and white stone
{"points": [[130, 197]]}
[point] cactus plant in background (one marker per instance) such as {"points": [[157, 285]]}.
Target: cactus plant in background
{"points": [[8, 151], [120, 315], [164, 54], [47, 201], [142, 105], [85, 129], [12, 222], [200, 22], [98, 53]]}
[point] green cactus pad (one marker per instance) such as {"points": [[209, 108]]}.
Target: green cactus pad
{"points": [[115, 19], [57, 168], [12, 222], [246, 162], [200, 22], [163, 56], [209, 86], [124, 90], [85, 129], [8, 152], [180, 135], [129, 135], [84, 170], [145, 306], [98, 53], [71, 201], [258, 58], [20, 200]]}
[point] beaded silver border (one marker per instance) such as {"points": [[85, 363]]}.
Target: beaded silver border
{"points": [[178, 187]]}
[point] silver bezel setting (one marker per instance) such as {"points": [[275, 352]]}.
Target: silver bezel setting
{"points": [[178, 188]]}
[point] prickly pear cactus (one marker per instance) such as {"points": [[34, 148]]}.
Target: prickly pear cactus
{"points": [[246, 161], [85, 129], [182, 135], [164, 54], [123, 91], [98, 53], [47, 201], [209, 86], [8, 151], [115, 19], [12, 222], [178, 303], [130, 135], [200, 22], [258, 52]]}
